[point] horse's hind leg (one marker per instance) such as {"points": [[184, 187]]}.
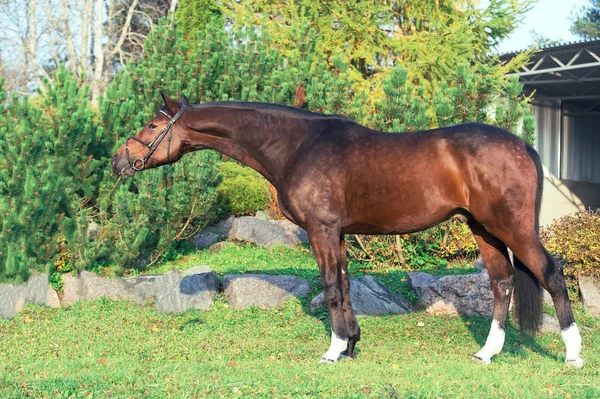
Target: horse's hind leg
{"points": [[546, 269], [497, 262]]}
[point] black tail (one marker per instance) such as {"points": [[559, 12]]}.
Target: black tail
{"points": [[528, 290]]}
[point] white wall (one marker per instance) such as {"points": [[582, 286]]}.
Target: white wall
{"points": [[571, 162]]}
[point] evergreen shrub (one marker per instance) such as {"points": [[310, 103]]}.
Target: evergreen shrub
{"points": [[243, 191]]}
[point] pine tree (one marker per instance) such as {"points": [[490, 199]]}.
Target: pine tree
{"points": [[144, 218], [586, 22], [46, 170]]}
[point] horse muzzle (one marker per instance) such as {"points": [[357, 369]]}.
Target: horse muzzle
{"points": [[121, 166]]}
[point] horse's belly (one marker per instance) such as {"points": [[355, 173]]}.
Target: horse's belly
{"points": [[395, 225], [400, 212]]}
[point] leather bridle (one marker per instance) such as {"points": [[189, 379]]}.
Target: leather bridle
{"points": [[138, 163]]}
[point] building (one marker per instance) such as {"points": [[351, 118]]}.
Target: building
{"points": [[565, 82]]}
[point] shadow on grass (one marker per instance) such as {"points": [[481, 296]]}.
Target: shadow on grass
{"points": [[394, 279], [515, 341]]}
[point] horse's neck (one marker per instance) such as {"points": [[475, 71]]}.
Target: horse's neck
{"points": [[261, 140]]}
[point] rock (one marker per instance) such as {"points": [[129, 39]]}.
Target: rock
{"points": [[178, 293], [214, 233], [37, 290], [198, 270], [206, 239], [262, 215], [92, 287], [12, 300], [262, 290], [71, 292], [420, 281], [144, 288], [224, 226], [468, 294], [589, 290], [547, 298], [293, 230], [370, 298], [479, 265], [171, 292], [220, 245], [261, 232], [550, 324]]}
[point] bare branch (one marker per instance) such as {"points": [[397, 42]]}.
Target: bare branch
{"points": [[125, 29]]}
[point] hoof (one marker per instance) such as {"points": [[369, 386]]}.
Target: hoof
{"points": [[326, 359], [575, 363], [481, 360]]}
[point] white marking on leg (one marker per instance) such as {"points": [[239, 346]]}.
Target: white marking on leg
{"points": [[493, 344], [572, 341], [338, 345]]}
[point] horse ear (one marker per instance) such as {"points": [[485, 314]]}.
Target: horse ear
{"points": [[183, 100], [170, 104]]}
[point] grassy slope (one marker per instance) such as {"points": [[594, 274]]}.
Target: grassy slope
{"points": [[117, 349]]}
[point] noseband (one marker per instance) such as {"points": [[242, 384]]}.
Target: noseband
{"points": [[139, 163]]}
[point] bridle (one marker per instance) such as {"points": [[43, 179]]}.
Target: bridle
{"points": [[139, 163]]}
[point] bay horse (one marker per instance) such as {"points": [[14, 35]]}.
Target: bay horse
{"points": [[334, 177]]}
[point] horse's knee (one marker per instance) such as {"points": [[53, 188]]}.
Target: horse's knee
{"points": [[553, 278], [503, 286], [332, 296]]}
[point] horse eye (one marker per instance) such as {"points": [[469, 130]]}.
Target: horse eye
{"points": [[152, 125]]}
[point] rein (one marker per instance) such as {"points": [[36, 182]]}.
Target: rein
{"points": [[139, 163]]}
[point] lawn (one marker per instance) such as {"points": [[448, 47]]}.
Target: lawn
{"points": [[120, 350]]}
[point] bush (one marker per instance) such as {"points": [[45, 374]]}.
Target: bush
{"points": [[433, 248], [459, 241], [47, 170], [243, 191], [575, 239]]}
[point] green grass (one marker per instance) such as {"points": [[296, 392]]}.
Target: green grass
{"points": [[120, 350]]}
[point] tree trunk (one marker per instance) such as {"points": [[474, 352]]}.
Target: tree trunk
{"points": [[85, 30], [71, 55], [98, 68]]}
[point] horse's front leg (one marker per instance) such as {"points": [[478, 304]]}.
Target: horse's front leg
{"points": [[325, 242], [352, 327]]}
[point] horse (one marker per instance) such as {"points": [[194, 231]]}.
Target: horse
{"points": [[334, 176]]}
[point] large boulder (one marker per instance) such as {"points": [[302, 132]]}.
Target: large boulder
{"points": [[93, 286], [370, 298], [214, 233], [589, 290], [262, 290], [12, 300], [37, 290], [468, 294], [143, 288], [171, 292], [265, 233], [195, 289], [292, 230]]}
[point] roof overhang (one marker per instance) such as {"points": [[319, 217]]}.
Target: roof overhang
{"points": [[567, 72]]}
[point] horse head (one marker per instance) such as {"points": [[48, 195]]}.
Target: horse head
{"points": [[161, 141]]}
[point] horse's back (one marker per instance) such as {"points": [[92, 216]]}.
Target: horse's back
{"points": [[379, 182], [403, 182]]}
